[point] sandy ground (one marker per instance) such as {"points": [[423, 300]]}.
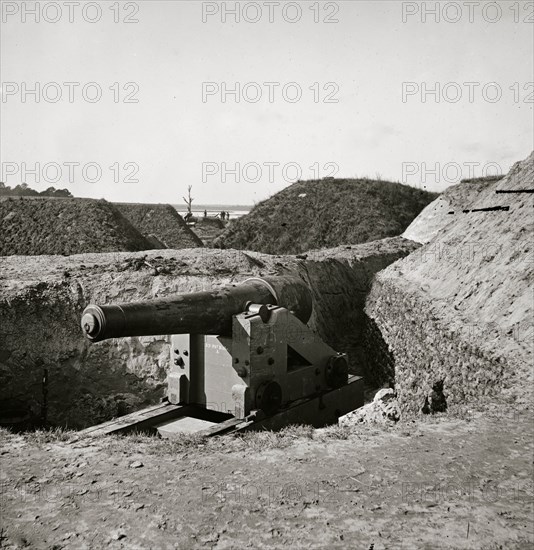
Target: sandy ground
{"points": [[442, 482]]}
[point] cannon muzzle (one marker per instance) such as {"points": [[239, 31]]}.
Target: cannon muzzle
{"points": [[198, 312]]}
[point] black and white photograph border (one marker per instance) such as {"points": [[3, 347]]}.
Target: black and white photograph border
{"points": [[266, 274]]}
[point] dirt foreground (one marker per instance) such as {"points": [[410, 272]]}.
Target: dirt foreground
{"points": [[437, 483]]}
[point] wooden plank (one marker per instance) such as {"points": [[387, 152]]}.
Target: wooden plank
{"points": [[318, 411], [222, 427], [139, 420]]}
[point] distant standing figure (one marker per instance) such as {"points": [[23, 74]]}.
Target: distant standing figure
{"points": [[223, 213], [205, 213], [227, 215]]}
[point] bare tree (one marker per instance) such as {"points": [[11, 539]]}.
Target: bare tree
{"points": [[189, 200]]}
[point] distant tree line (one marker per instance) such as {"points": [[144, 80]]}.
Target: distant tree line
{"points": [[22, 190]]}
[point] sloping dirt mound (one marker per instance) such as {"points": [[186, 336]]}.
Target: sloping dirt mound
{"points": [[161, 221], [458, 312], [326, 213], [437, 214], [208, 229], [41, 300], [36, 226]]}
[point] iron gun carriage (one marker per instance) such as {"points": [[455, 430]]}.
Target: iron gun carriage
{"points": [[242, 357]]}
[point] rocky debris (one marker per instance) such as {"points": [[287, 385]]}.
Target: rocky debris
{"points": [[157, 265], [459, 309], [384, 409]]}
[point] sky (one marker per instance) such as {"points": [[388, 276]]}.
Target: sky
{"points": [[133, 100]]}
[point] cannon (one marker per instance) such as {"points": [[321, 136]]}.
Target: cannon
{"points": [[242, 357]]}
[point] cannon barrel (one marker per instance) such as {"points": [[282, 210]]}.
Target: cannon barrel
{"points": [[198, 312]]}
